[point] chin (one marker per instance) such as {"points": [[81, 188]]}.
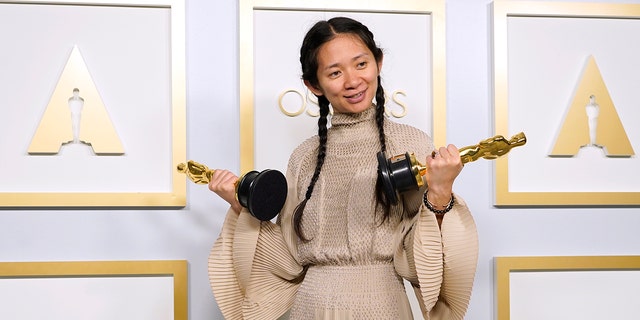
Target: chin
{"points": [[354, 108]]}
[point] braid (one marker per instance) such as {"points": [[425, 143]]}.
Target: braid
{"points": [[319, 34], [380, 195], [380, 100], [322, 152], [322, 148]]}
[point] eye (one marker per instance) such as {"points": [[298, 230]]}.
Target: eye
{"points": [[334, 74], [362, 64]]}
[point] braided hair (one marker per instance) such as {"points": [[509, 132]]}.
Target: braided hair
{"points": [[321, 33]]}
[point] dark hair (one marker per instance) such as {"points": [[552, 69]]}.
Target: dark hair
{"points": [[321, 33]]}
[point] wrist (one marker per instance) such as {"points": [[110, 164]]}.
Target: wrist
{"points": [[438, 208], [236, 207]]}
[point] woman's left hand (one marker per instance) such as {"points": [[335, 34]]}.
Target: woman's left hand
{"points": [[443, 166]]}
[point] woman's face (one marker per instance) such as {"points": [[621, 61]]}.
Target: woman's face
{"points": [[347, 74]]}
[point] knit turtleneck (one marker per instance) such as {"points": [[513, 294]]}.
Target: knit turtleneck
{"points": [[341, 217], [345, 119], [349, 128]]}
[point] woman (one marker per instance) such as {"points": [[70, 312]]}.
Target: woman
{"points": [[339, 249]]}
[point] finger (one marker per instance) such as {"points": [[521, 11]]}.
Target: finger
{"points": [[218, 179], [453, 150], [229, 180], [449, 153], [213, 182], [444, 152]]}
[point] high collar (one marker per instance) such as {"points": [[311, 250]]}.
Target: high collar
{"points": [[347, 119]]}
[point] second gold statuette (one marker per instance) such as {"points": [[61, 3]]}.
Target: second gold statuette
{"points": [[403, 172], [262, 193]]}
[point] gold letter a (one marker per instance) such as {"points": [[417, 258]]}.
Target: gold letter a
{"points": [[55, 128], [575, 131]]}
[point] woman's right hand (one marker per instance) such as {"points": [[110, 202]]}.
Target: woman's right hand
{"points": [[223, 183]]}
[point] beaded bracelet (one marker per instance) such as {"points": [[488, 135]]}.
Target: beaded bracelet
{"points": [[432, 207]]}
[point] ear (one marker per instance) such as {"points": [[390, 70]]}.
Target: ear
{"points": [[313, 89]]}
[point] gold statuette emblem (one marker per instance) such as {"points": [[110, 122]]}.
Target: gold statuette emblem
{"points": [[592, 120], [75, 114]]}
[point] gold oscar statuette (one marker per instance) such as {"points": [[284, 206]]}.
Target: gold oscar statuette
{"points": [[403, 172], [262, 193]]}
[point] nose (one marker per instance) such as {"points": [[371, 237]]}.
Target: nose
{"points": [[351, 79]]}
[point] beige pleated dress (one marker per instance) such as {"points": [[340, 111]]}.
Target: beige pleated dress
{"points": [[353, 265]]}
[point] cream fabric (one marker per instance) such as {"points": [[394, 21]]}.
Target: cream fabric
{"points": [[353, 264]]}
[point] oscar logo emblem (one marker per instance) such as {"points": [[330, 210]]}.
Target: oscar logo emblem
{"points": [[592, 121], [79, 119], [403, 172], [262, 193]]}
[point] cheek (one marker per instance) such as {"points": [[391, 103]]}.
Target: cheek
{"points": [[374, 78], [374, 83], [331, 88]]}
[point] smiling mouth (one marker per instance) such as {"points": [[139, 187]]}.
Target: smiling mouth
{"points": [[357, 95]]}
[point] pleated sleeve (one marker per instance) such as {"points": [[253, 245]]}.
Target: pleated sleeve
{"points": [[251, 270], [441, 262]]}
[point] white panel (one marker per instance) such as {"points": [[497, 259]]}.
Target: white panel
{"points": [[546, 60], [127, 53], [406, 67], [95, 298], [584, 295]]}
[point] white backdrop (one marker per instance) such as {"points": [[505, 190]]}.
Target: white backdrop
{"points": [[212, 101], [542, 83], [82, 298], [130, 66], [561, 295], [277, 69]]}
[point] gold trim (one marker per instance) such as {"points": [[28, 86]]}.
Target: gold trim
{"points": [[175, 268], [501, 11], [505, 265], [246, 7], [177, 196]]}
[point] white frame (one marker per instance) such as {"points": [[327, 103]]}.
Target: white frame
{"points": [[176, 196], [177, 269], [246, 80], [502, 10], [505, 266]]}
